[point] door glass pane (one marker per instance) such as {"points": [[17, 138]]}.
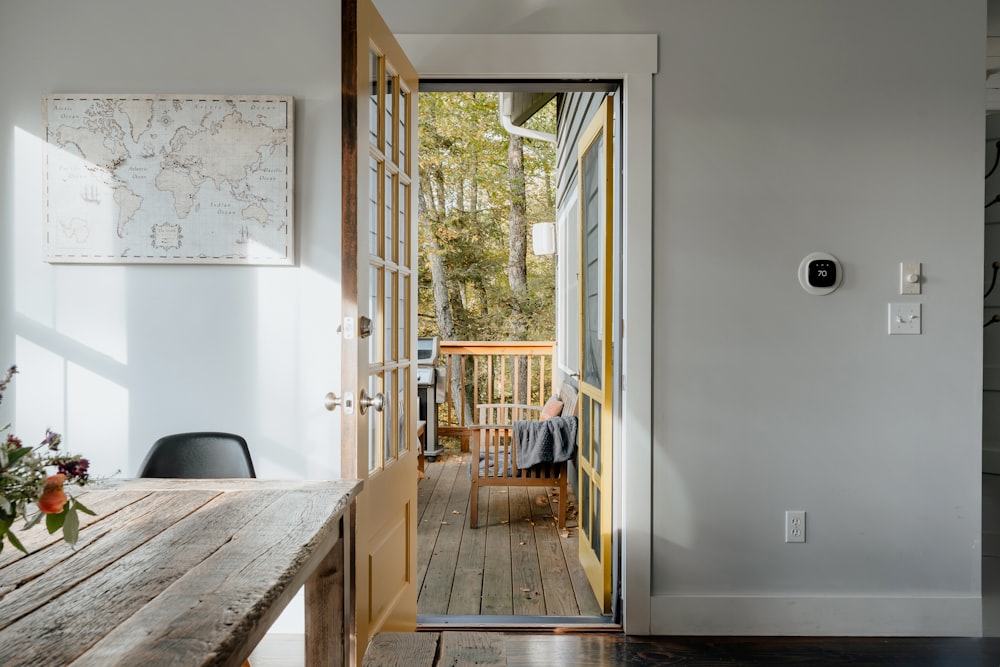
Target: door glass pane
{"points": [[402, 341], [596, 456], [390, 191], [402, 228], [585, 416], [595, 535], [374, 300], [388, 316], [389, 417], [373, 114], [374, 426], [373, 206], [592, 351], [585, 502], [390, 113], [404, 108], [403, 442]]}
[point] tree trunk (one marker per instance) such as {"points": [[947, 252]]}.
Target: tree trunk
{"points": [[442, 304], [517, 262]]}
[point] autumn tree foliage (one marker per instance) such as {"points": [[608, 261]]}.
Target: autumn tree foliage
{"points": [[480, 190]]}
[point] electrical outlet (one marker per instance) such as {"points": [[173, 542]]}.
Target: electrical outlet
{"points": [[795, 526]]}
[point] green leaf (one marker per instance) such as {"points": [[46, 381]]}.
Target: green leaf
{"points": [[17, 455], [16, 542], [54, 522], [79, 506], [71, 528]]}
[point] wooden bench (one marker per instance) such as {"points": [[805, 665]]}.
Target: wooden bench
{"points": [[433, 649], [494, 454]]}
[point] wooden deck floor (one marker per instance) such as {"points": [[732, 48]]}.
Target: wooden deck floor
{"points": [[516, 563]]}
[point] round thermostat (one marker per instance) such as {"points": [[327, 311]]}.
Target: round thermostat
{"points": [[820, 273]]}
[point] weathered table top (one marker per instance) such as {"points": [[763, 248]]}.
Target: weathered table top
{"points": [[179, 572]]}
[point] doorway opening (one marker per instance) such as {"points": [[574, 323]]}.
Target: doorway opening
{"points": [[509, 328]]}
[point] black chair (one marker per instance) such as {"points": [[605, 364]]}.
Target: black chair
{"points": [[200, 455]]}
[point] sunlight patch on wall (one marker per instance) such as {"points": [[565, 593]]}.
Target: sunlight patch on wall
{"points": [[298, 358], [277, 368], [41, 392], [90, 411], [33, 278], [91, 308], [84, 304], [97, 418]]}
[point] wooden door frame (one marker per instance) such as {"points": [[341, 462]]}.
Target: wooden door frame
{"points": [[632, 59]]}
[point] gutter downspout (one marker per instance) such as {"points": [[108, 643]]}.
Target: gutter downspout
{"points": [[504, 110]]}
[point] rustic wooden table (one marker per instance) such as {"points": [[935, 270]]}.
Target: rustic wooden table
{"points": [[184, 572]]}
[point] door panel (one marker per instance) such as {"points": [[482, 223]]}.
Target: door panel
{"points": [[595, 157], [379, 264]]}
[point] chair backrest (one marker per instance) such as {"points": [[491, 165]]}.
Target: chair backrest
{"points": [[201, 455], [568, 395]]}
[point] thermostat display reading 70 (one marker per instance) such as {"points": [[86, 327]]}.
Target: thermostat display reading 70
{"points": [[820, 273]]}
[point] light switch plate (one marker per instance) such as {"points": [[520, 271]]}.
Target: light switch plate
{"points": [[904, 318], [909, 277]]}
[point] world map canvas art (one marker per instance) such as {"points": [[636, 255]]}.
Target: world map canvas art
{"points": [[176, 179]]}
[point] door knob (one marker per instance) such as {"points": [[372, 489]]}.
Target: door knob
{"points": [[376, 402], [365, 327], [331, 401]]}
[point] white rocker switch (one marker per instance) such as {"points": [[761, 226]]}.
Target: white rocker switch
{"points": [[904, 318]]}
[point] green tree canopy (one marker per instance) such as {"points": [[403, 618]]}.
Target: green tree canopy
{"points": [[465, 200]]}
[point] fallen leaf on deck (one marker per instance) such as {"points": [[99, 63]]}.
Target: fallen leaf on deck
{"points": [[455, 512], [504, 522]]}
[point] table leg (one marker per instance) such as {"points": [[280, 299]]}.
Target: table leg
{"points": [[331, 635]]}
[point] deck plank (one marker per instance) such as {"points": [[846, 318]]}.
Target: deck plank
{"points": [[497, 586], [483, 649], [443, 473], [569, 541], [560, 599], [437, 583], [529, 599], [481, 580], [401, 649], [467, 589]]}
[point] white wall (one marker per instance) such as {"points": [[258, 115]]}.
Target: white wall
{"points": [[117, 356], [785, 127]]}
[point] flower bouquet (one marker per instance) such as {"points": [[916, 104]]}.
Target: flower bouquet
{"points": [[36, 477]]}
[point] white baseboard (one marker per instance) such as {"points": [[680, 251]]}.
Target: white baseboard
{"points": [[817, 616]]}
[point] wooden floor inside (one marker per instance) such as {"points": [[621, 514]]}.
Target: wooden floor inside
{"points": [[599, 650], [517, 562]]}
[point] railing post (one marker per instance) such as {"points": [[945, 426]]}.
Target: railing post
{"points": [[489, 384]]}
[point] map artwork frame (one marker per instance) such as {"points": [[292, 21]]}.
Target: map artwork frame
{"points": [[169, 179]]}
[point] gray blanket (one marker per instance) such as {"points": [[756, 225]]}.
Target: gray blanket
{"points": [[548, 441]]}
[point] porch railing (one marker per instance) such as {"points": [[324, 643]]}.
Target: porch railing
{"points": [[479, 372]]}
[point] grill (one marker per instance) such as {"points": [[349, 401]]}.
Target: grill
{"points": [[428, 350]]}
